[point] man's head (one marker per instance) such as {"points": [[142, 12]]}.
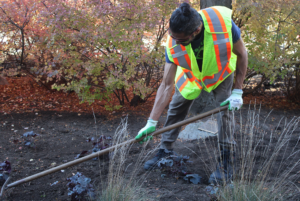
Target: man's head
{"points": [[185, 24]]}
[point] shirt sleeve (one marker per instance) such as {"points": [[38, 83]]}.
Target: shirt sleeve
{"points": [[236, 32], [167, 58]]}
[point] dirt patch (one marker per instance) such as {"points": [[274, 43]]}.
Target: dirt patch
{"points": [[63, 136]]}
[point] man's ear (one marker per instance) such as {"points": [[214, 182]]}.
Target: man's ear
{"points": [[199, 29]]}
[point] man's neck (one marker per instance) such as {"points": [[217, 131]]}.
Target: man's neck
{"points": [[199, 34]]}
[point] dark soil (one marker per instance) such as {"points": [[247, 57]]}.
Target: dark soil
{"points": [[63, 136]]}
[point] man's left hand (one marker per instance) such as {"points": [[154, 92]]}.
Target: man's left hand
{"points": [[235, 100]]}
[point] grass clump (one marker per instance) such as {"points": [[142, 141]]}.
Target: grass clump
{"points": [[268, 162], [118, 186], [236, 191]]}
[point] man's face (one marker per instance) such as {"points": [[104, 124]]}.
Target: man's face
{"points": [[183, 39]]}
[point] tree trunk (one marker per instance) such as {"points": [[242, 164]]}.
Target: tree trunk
{"points": [[209, 3], [206, 101]]}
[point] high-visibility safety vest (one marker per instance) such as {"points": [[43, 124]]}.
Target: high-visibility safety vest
{"points": [[218, 60]]}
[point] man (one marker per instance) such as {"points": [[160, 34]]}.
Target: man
{"points": [[203, 50]]}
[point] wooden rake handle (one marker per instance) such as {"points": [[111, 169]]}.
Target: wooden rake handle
{"points": [[105, 151]]}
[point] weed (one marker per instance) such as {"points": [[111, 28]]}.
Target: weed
{"points": [[117, 187], [267, 162]]}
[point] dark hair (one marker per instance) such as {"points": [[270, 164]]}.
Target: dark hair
{"points": [[185, 19]]}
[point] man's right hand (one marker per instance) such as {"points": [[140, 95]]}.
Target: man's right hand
{"points": [[148, 129]]}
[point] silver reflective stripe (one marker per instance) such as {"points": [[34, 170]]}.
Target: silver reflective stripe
{"points": [[183, 63], [220, 36], [177, 49], [180, 82], [198, 82], [178, 54], [189, 75], [223, 63], [216, 77], [173, 42], [225, 74], [223, 48], [221, 41], [214, 80], [214, 19], [223, 54], [181, 59]]}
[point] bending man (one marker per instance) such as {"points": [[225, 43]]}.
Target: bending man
{"points": [[203, 51]]}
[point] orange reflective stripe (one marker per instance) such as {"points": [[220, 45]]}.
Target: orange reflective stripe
{"points": [[179, 55], [228, 69], [211, 27], [228, 45], [218, 57], [186, 56], [173, 52], [221, 20], [198, 85], [214, 37], [170, 43], [221, 76], [188, 60], [222, 49], [193, 76], [183, 85], [226, 35], [187, 79], [208, 77], [181, 74], [224, 30], [176, 61], [209, 85]]}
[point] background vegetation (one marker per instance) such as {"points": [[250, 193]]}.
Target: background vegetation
{"points": [[101, 49]]}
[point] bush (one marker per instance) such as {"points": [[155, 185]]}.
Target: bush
{"points": [[270, 31]]}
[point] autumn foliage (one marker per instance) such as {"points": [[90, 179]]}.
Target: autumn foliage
{"points": [[95, 48], [270, 30], [113, 50]]}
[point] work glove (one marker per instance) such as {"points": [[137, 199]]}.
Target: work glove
{"points": [[148, 129], [235, 100]]}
